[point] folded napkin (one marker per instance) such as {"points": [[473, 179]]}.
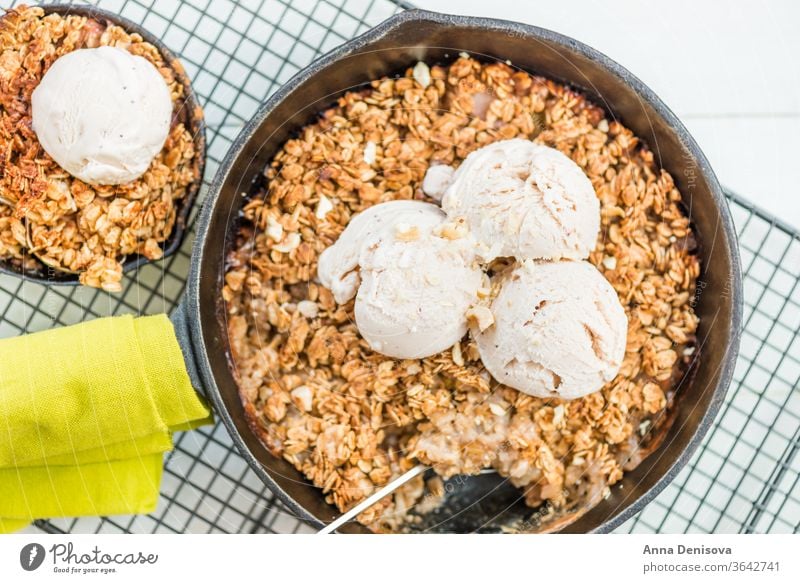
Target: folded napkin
{"points": [[86, 413]]}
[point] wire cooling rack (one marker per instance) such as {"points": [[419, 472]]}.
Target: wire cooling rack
{"points": [[746, 476]]}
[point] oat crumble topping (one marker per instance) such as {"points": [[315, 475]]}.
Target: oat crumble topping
{"points": [[350, 419]]}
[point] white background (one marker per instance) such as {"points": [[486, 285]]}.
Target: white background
{"points": [[730, 70]]}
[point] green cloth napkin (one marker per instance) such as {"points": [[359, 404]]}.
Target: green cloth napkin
{"points": [[86, 413]]}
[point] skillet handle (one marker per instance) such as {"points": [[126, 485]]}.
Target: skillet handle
{"points": [[178, 317]]}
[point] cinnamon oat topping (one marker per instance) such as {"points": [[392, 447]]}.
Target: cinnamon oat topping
{"points": [[351, 419], [50, 218]]}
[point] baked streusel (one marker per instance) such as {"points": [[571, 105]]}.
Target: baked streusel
{"points": [[351, 419], [49, 218]]}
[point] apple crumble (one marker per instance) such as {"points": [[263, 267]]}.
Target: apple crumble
{"points": [[48, 218], [351, 419]]}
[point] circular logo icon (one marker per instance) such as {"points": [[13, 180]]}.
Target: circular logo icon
{"points": [[31, 556]]}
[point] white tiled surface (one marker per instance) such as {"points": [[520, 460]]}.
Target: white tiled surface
{"points": [[719, 71]]}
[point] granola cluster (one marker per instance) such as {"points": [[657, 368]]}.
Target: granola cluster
{"points": [[49, 219], [350, 419]]}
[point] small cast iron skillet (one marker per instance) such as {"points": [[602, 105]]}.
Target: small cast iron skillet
{"points": [[191, 115], [400, 42]]}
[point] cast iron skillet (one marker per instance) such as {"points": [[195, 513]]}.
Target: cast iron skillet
{"points": [[191, 114], [387, 49]]}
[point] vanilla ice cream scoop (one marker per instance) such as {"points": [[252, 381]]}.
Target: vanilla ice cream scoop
{"points": [[415, 293], [338, 264], [525, 200], [414, 282], [559, 330], [102, 114]]}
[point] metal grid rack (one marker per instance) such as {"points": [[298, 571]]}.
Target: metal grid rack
{"points": [[746, 476]]}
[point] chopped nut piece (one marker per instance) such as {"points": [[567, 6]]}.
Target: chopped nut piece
{"points": [[308, 308], [422, 74], [482, 316], [404, 232], [558, 415], [497, 409], [458, 357], [302, 397], [413, 368], [453, 230], [274, 229], [324, 206], [370, 152], [291, 243]]}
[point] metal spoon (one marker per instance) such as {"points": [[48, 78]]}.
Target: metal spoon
{"points": [[380, 495]]}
